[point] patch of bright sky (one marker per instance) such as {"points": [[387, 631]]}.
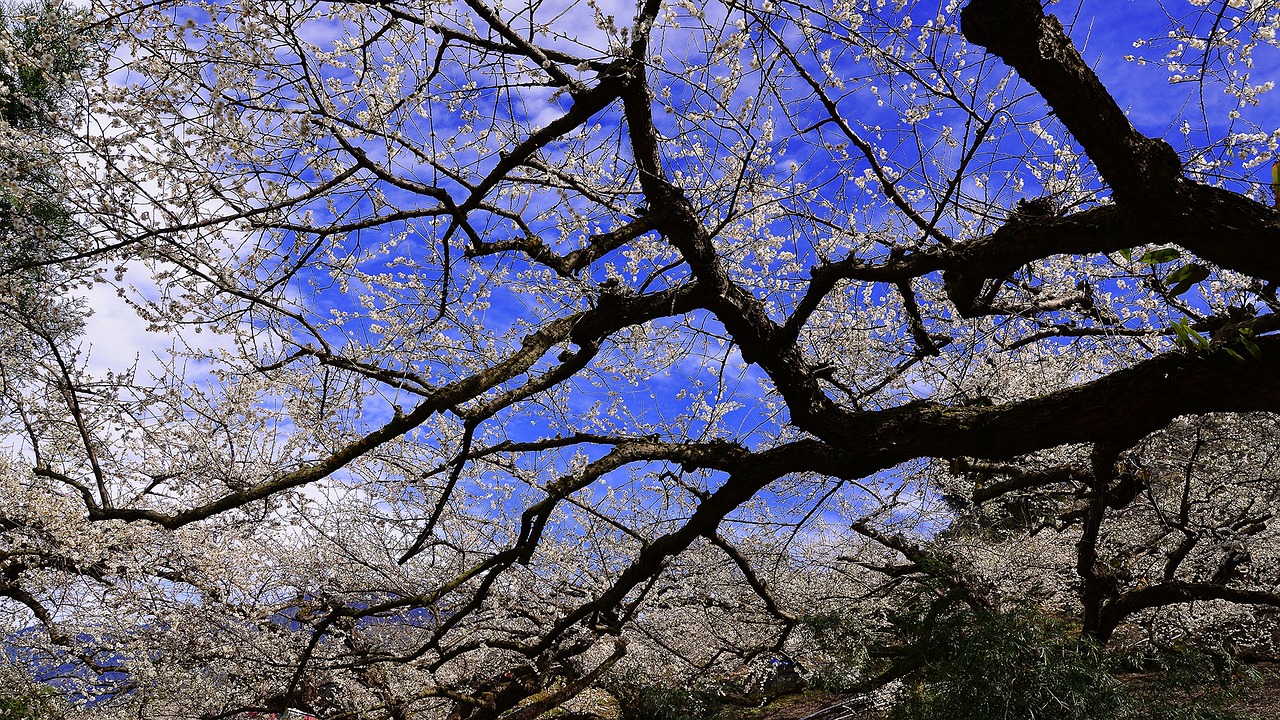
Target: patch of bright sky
{"points": [[1127, 42]]}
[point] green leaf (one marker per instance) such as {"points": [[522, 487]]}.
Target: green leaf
{"points": [[1233, 353], [1181, 334], [1185, 277], [1250, 345], [1127, 254], [1155, 257], [1186, 338]]}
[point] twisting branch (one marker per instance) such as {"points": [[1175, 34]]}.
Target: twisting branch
{"points": [[754, 580]]}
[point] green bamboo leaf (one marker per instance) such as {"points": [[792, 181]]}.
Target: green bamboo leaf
{"points": [[1187, 338], [1182, 334], [1250, 345], [1186, 277], [1164, 255]]}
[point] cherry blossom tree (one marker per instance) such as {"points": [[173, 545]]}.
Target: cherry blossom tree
{"points": [[520, 347]]}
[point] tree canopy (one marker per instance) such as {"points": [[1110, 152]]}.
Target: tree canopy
{"points": [[514, 350]]}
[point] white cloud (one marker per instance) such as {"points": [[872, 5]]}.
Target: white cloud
{"points": [[115, 337]]}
